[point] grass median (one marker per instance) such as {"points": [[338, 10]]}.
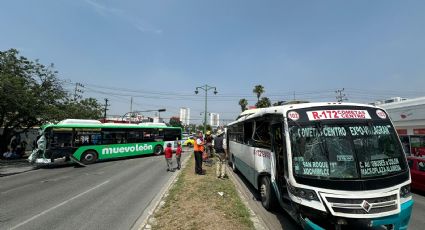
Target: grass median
{"points": [[194, 202]]}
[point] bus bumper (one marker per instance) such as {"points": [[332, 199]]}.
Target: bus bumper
{"points": [[399, 221]]}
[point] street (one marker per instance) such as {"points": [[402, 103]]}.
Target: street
{"points": [[104, 195], [281, 220]]}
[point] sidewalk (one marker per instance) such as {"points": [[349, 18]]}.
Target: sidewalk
{"points": [[10, 167]]}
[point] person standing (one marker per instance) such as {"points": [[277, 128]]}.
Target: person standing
{"points": [[198, 148], [208, 144], [219, 150], [178, 155], [168, 153]]}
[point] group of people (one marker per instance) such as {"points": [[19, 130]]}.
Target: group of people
{"points": [[168, 153], [16, 148], [203, 150]]}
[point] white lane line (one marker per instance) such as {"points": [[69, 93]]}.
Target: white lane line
{"points": [[57, 206]]}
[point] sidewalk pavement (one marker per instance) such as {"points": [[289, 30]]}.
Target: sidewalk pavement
{"points": [[10, 167]]}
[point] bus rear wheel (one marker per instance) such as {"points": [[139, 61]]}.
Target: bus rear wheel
{"points": [[158, 150], [234, 165], [89, 157], [268, 197]]}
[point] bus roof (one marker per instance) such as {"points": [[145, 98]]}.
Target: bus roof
{"points": [[283, 109], [109, 125]]}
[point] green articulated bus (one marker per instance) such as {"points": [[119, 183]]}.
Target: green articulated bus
{"points": [[86, 141]]}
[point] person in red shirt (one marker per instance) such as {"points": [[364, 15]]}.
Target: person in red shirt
{"points": [[178, 155], [168, 153]]}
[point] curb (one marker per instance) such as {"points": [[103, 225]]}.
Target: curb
{"points": [[258, 222], [142, 222]]}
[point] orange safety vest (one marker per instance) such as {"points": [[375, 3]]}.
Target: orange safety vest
{"points": [[198, 148]]}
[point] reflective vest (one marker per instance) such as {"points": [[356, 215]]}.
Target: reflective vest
{"points": [[198, 148]]}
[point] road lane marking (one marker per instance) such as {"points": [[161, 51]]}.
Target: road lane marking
{"points": [[57, 206]]}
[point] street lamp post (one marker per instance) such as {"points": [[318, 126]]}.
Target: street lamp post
{"points": [[206, 88]]}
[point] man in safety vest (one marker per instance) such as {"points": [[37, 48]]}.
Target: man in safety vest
{"points": [[198, 148]]}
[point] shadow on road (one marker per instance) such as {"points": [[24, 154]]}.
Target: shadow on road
{"points": [[280, 215]]}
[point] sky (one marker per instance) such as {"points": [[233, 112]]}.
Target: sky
{"points": [[159, 51]]}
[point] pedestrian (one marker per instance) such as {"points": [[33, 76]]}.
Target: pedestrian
{"points": [[208, 144], [219, 143], [178, 155], [198, 149], [168, 153]]}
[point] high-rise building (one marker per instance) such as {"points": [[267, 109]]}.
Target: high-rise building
{"points": [[215, 120], [185, 116]]}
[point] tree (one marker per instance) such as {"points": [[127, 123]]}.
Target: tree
{"points": [[264, 102], [258, 90], [175, 122], [88, 108], [243, 103], [30, 94]]}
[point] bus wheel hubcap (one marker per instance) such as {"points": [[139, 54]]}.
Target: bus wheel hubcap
{"points": [[89, 157]]}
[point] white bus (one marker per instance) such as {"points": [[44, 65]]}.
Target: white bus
{"points": [[329, 165]]}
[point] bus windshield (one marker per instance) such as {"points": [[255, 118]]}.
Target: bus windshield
{"points": [[345, 150]]}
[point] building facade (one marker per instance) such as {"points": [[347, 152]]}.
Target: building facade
{"points": [[215, 120], [408, 117], [185, 116]]}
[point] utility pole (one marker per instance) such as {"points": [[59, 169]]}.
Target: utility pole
{"points": [[106, 108], [340, 97], [78, 91], [131, 109], [206, 88]]}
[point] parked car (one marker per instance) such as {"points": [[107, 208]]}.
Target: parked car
{"points": [[417, 172], [189, 142]]}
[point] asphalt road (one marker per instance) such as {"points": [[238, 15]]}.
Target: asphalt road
{"points": [[105, 195], [279, 219]]}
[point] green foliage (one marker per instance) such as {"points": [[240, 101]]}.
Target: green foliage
{"points": [[175, 122], [88, 108], [264, 102], [31, 95], [243, 103], [258, 90]]}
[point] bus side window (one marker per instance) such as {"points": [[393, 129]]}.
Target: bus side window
{"points": [[247, 133], [262, 134]]}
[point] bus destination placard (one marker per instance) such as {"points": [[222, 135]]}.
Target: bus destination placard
{"points": [[337, 114]]}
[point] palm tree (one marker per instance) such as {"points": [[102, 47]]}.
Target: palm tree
{"points": [[258, 90], [243, 103], [264, 102]]}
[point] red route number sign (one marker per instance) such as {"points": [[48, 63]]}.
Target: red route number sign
{"points": [[337, 114]]}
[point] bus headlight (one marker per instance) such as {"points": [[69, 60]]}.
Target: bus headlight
{"points": [[405, 191], [303, 193]]}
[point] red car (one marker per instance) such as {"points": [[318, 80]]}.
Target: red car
{"points": [[417, 171]]}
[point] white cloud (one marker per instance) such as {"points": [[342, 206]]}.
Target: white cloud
{"points": [[138, 23]]}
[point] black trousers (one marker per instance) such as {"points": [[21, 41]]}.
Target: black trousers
{"points": [[198, 162]]}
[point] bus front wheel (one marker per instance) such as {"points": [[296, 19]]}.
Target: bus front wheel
{"points": [[158, 150], [89, 157], [268, 197]]}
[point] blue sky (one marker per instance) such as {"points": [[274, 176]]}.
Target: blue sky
{"points": [[160, 51]]}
